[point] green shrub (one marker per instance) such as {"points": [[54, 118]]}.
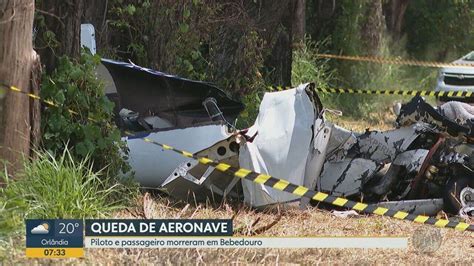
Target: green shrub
{"points": [[164, 35], [252, 104], [308, 67], [59, 187], [74, 86]]}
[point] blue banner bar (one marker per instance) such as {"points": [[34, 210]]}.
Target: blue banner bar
{"points": [[159, 227]]}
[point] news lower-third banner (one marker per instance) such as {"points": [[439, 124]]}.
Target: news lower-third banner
{"points": [[67, 238]]}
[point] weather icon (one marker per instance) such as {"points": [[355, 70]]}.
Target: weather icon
{"points": [[41, 229]]}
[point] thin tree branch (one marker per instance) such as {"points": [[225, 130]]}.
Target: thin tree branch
{"points": [[51, 15]]}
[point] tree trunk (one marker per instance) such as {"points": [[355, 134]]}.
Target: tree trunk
{"points": [[373, 28], [19, 119], [63, 18], [395, 11], [299, 21], [281, 57], [95, 13]]}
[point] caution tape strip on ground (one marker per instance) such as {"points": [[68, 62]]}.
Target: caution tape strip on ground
{"points": [[463, 94], [301, 191], [392, 61]]}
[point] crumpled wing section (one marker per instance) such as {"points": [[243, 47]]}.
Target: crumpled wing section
{"points": [[461, 113], [282, 145], [172, 98], [417, 110]]}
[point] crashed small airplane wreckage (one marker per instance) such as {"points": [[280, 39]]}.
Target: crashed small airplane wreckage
{"points": [[424, 165], [168, 109]]}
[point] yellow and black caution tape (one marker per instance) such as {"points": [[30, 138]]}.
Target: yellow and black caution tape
{"points": [[399, 92], [451, 93], [48, 102], [301, 191], [392, 61]]}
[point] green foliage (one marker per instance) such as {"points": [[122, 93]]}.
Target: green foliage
{"points": [[47, 37], [54, 186], [13, 207], [308, 67], [195, 39], [74, 86], [244, 74], [252, 105], [165, 35], [431, 30], [439, 30], [358, 32]]}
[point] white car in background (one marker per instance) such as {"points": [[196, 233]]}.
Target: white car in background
{"points": [[457, 78]]}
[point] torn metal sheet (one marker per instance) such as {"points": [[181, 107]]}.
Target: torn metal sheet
{"points": [[175, 99], [345, 178], [407, 163], [386, 145], [337, 161], [153, 165], [411, 160], [417, 110], [282, 145], [340, 142], [192, 181], [429, 207], [461, 113], [317, 156]]}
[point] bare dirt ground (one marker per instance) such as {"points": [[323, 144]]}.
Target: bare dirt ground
{"points": [[456, 247]]}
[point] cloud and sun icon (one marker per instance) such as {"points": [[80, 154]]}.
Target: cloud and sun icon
{"points": [[41, 229]]}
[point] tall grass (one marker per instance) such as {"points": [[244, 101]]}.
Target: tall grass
{"points": [[59, 187], [308, 67], [360, 31]]}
